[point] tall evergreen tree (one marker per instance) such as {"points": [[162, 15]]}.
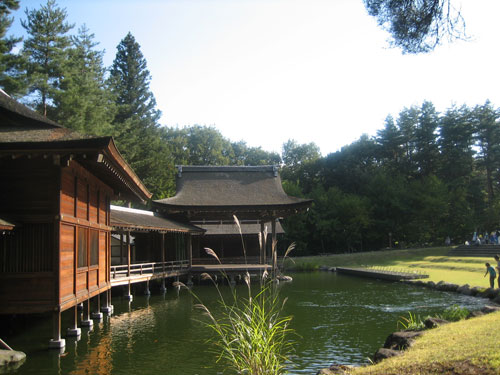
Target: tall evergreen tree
{"points": [[46, 51], [136, 127], [426, 148], [12, 78], [390, 141], [85, 102], [487, 128]]}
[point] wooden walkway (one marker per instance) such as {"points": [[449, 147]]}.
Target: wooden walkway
{"points": [[381, 274], [229, 268], [140, 272]]}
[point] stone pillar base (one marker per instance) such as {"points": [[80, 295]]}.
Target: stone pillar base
{"points": [[96, 315], [57, 344], [73, 332], [107, 309], [87, 323], [129, 297]]}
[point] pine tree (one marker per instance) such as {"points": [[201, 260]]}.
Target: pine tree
{"points": [[85, 102], [136, 128], [12, 79], [46, 51]]}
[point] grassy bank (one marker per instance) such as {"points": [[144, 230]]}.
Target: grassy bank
{"points": [[431, 261], [465, 347]]}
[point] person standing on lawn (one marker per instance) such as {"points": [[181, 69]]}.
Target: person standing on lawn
{"points": [[493, 274], [497, 259]]}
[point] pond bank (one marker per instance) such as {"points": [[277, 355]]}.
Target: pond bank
{"points": [[472, 354]]}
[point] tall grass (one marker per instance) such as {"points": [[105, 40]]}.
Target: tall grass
{"points": [[251, 333]]}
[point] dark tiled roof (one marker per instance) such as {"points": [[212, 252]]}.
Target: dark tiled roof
{"points": [[12, 111], [219, 188], [5, 225], [232, 229], [24, 132], [126, 218]]}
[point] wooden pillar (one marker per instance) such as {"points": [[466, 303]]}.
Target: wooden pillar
{"points": [[262, 243], [121, 248], [163, 288], [74, 331], [56, 342], [190, 250], [128, 295], [274, 250], [108, 307], [86, 321], [128, 254], [97, 314]]}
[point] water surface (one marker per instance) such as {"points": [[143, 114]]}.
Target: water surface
{"points": [[337, 318]]}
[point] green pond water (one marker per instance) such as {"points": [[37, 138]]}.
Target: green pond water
{"points": [[337, 318]]}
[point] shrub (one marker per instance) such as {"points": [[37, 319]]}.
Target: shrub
{"points": [[411, 323], [454, 313]]}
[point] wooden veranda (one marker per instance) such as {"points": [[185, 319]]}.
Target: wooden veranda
{"points": [[149, 247]]}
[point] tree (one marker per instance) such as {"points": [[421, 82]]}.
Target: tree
{"points": [[487, 128], [12, 77], [417, 25], [136, 128], [207, 146], [46, 51], [300, 163], [426, 148], [244, 155], [84, 102], [390, 152]]}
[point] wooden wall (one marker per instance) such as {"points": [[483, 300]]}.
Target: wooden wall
{"points": [[85, 234], [58, 211], [28, 271]]}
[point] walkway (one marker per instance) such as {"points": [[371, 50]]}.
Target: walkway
{"points": [[383, 274], [140, 272]]}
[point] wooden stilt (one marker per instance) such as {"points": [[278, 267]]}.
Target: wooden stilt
{"points": [[56, 342], [108, 307], [74, 331], [97, 314], [86, 321]]}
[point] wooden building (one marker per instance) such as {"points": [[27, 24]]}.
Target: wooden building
{"points": [[56, 186], [226, 239], [216, 194]]}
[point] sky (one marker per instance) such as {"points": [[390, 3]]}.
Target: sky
{"points": [[267, 71]]}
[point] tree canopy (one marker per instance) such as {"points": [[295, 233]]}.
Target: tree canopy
{"points": [[418, 26]]}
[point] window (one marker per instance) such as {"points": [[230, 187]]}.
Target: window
{"points": [[94, 247], [82, 247]]}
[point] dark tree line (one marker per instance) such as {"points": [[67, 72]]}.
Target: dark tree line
{"points": [[423, 177]]}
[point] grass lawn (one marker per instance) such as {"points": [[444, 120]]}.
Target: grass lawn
{"points": [[465, 347], [431, 261]]}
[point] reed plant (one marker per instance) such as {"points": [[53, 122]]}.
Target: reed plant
{"points": [[251, 333]]}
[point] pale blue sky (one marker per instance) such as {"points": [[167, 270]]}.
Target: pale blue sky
{"points": [[265, 71]]}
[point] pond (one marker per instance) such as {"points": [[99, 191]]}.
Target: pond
{"points": [[337, 318]]}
